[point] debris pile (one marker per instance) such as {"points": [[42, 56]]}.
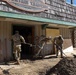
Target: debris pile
{"points": [[67, 66]]}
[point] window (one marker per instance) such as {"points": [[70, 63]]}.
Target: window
{"points": [[73, 2], [68, 1]]}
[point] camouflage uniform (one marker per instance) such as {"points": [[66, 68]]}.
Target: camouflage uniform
{"points": [[58, 41], [17, 45]]}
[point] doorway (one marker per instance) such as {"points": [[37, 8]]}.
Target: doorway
{"points": [[28, 33]]}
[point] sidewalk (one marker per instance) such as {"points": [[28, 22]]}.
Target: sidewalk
{"points": [[70, 54]]}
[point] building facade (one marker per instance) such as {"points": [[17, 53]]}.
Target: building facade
{"points": [[36, 18]]}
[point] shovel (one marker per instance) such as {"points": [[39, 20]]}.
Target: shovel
{"points": [[60, 49]]}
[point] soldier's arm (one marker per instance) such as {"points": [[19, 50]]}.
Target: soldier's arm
{"points": [[54, 41], [62, 40], [22, 38]]}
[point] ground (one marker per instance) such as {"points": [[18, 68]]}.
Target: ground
{"points": [[32, 67]]}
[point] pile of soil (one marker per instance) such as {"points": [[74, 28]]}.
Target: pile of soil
{"points": [[67, 66]]}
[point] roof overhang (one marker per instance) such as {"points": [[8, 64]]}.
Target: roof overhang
{"points": [[50, 22]]}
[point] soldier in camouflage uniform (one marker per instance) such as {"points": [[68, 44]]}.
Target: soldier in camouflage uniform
{"points": [[58, 41], [17, 40]]}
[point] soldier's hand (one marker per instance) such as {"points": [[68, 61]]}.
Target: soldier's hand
{"points": [[30, 45]]}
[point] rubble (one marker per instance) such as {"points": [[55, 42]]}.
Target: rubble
{"points": [[67, 66]]}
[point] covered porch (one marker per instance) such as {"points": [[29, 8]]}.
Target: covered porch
{"points": [[9, 22]]}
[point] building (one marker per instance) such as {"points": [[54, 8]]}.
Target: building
{"points": [[36, 17]]}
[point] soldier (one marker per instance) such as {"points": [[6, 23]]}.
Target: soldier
{"points": [[58, 41], [17, 40]]}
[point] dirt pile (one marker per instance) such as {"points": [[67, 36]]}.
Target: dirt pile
{"points": [[67, 66]]}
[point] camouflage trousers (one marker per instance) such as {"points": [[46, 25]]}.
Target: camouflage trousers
{"points": [[17, 52], [59, 47]]}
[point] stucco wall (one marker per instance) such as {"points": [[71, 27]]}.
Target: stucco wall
{"points": [[5, 42]]}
